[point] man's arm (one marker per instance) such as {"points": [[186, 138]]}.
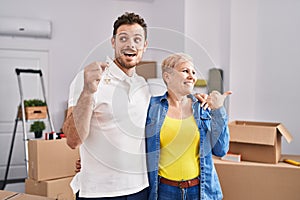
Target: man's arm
{"points": [[77, 123], [70, 131], [202, 98]]}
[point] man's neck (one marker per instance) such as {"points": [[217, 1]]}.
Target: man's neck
{"points": [[128, 71]]}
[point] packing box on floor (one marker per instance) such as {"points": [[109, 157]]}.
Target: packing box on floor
{"points": [[261, 181], [20, 196], [57, 188], [257, 141], [6, 194], [51, 159]]}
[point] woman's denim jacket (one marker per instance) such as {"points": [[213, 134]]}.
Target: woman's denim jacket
{"points": [[214, 140]]}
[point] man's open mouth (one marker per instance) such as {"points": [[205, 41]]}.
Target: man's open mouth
{"points": [[129, 54]]}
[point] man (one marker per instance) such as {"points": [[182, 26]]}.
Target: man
{"points": [[106, 118]]}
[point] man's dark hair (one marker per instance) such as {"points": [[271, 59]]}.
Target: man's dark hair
{"points": [[130, 18]]}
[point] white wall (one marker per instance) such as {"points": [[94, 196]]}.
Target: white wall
{"points": [[256, 42], [265, 50], [207, 28], [243, 59], [78, 27]]}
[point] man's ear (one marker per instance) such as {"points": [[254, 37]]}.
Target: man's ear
{"points": [[145, 45], [113, 42]]}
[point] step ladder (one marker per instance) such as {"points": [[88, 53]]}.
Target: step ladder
{"points": [[23, 118]]}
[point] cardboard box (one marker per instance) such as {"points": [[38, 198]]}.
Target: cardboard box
{"points": [[259, 181], [5, 195], [35, 112], [51, 159], [232, 157], [22, 196], [147, 69], [257, 141], [57, 188]]}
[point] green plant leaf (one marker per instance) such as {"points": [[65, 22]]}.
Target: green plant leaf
{"points": [[34, 102], [37, 126]]}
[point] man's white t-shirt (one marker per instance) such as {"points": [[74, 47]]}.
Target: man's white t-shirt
{"points": [[113, 156]]}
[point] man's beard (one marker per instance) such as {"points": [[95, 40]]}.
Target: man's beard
{"points": [[123, 64]]}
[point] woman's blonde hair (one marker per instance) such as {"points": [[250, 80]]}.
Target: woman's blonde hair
{"points": [[174, 60]]}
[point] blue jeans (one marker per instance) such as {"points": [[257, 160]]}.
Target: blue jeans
{"points": [[167, 192]]}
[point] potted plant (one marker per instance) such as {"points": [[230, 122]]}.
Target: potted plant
{"points": [[37, 127], [34, 102], [34, 109]]}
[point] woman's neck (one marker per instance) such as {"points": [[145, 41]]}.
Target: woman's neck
{"points": [[180, 107], [177, 100]]}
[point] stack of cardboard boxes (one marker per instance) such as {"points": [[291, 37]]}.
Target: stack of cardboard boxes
{"points": [[261, 174], [51, 168]]}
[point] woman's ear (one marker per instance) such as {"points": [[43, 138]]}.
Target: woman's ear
{"points": [[166, 77]]}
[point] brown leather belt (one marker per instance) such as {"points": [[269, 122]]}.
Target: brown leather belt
{"points": [[180, 184]]}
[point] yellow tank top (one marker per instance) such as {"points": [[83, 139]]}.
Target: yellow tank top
{"points": [[179, 154]]}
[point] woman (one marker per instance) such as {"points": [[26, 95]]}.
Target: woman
{"points": [[182, 136]]}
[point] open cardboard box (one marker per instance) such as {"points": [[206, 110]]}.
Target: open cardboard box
{"points": [[257, 141]]}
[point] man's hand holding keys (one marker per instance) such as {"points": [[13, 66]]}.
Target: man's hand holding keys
{"points": [[92, 76]]}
